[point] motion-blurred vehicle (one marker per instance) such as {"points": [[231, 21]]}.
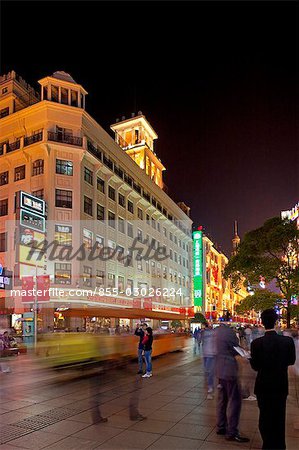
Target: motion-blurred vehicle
{"points": [[65, 350]]}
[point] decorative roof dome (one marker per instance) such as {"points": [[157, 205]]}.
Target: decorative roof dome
{"points": [[60, 75]]}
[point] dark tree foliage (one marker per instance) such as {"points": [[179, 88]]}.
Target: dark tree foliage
{"points": [[270, 251]]}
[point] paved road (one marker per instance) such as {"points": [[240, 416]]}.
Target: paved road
{"points": [[41, 409]]}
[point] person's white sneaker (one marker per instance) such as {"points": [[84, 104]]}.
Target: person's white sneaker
{"points": [[210, 397], [210, 390], [147, 375], [251, 398]]}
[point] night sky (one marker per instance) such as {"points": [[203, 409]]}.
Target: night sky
{"points": [[217, 81]]}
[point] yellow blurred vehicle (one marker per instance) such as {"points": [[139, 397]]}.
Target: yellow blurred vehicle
{"points": [[62, 350]]}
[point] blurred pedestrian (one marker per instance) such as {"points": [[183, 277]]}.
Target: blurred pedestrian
{"points": [[208, 340], [147, 343], [140, 331], [270, 357], [248, 336], [4, 352], [197, 340], [229, 393]]}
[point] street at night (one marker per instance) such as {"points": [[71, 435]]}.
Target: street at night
{"points": [[54, 411], [149, 225]]}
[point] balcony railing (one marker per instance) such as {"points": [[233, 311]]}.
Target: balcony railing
{"points": [[33, 139], [65, 138], [94, 150], [13, 146], [119, 172], [108, 162]]}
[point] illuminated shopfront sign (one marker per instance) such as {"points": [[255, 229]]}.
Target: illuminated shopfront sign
{"points": [[197, 268], [31, 203], [32, 221], [292, 214]]}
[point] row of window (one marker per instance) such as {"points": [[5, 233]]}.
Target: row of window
{"points": [[19, 174], [4, 202], [124, 176], [63, 275], [65, 167], [63, 235], [64, 199]]}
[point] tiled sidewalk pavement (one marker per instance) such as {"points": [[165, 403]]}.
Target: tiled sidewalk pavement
{"points": [[174, 400]]}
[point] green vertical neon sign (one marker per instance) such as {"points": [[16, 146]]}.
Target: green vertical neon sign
{"points": [[197, 268]]}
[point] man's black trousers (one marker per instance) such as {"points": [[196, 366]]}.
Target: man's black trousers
{"points": [[272, 420]]}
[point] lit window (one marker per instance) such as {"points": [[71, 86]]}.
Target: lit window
{"points": [[88, 205], [88, 175], [111, 193], [111, 219], [87, 276], [101, 185], [100, 212], [63, 273], [111, 280], [64, 167], [38, 167], [63, 199], [63, 235], [3, 178], [19, 173], [4, 207], [130, 207], [130, 230], [121, 200], [121, 225], [87, 238]]}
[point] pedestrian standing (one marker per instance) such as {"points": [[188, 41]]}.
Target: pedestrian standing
{"points": [[229, 393], [147, 343], [140, 331], [270, 357], [209, 352], [248, 336]]}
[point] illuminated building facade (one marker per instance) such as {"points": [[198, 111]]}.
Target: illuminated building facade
{"points": [[98, 190], [212, 294]]}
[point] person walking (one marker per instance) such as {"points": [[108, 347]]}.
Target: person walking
{"points": [[209, 352], [147, 343], [248, 336], [270, 357], [140, 331], [229, 393]]}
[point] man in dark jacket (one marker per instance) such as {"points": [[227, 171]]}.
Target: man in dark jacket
{"points": [[140, 331], [270, 357], [229, 396]]}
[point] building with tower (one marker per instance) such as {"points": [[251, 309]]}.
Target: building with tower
{"points": [[218, 300], [236, 239], [99, 192]]}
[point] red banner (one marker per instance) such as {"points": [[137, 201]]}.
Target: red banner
{"points": [[147, 303], [136, 302], [43, 285], [27, 289]]}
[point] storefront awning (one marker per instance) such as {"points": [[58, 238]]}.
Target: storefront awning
{"points": [[126, 313]]}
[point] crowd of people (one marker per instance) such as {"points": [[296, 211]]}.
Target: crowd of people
{"points": [[230, 352]]}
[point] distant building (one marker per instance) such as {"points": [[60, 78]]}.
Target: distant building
{"points": [[213, 294]]}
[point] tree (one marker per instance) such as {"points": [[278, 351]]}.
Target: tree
{"points": [[270, 251], [199, 317], [262, 299], [176, 324]]}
